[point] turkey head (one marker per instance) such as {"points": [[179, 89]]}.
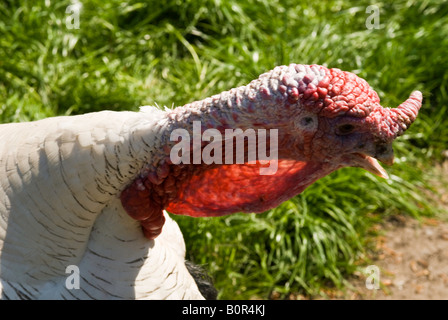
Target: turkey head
{"points": [[253, 147]]}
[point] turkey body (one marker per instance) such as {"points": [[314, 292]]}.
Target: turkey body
{"points": [[59, 207]]}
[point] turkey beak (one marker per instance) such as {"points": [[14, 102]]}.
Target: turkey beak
{"points": [[385, 153], [370, 164]]}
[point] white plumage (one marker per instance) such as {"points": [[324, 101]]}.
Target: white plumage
{"points": [[59, 206]]}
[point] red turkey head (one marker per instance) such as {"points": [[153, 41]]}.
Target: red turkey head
{"points": [[317, 119]]}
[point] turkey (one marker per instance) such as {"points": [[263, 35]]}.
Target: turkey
{"points": [[91, 190]]}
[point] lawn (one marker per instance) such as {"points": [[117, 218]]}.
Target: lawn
{"points": [[120, 55]]}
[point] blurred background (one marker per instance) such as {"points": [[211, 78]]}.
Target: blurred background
{"points": [[66, 58]]}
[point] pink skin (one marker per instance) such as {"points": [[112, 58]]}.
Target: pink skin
{"points": [[326, 119]]}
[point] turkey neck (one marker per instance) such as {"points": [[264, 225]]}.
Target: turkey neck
{"points": [[240, 108], [265, 103]]}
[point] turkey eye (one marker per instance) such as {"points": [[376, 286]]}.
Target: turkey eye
{"points": [[306, 121], [346, 128]]}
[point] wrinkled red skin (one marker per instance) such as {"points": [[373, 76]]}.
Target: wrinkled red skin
{"points": [[202, 190], [216, 190]]}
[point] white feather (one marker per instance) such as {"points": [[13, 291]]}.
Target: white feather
{"points": [[60, 206]]}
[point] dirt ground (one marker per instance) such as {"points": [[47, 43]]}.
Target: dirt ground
{"points": [[412, 260], [412, 255]]}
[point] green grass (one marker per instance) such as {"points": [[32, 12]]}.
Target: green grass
{"points": [[131, 53]]}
